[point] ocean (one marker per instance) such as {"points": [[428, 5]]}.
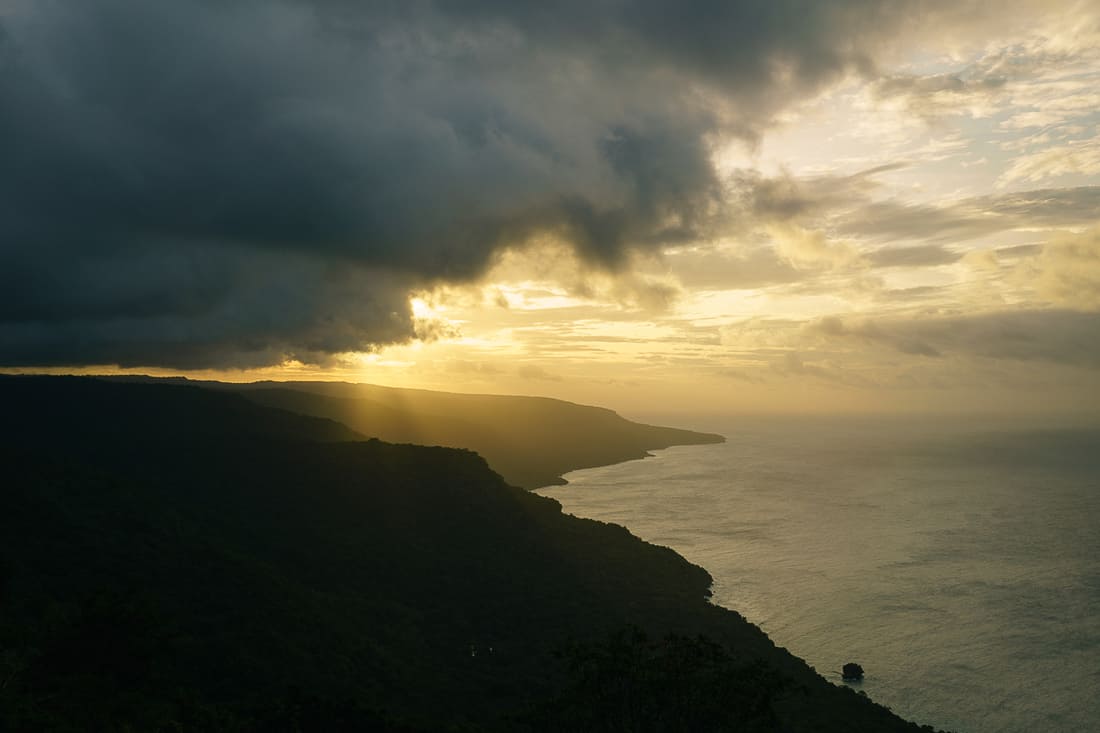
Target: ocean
{"points": [[957, 562]]}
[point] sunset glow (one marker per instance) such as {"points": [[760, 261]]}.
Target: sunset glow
{"points": [[918, 231]]}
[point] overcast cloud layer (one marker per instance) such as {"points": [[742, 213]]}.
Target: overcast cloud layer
{"points": [[203, 184]]}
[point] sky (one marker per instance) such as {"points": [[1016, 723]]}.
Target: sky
{"points": [[661, 207]]}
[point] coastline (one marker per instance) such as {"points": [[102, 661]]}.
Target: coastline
{"points": [[652, 451], [930, 522], [366, 577]]}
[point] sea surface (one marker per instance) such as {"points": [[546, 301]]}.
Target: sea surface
{"points": [[957, 562]]}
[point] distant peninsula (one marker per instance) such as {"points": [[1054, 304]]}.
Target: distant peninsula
{"points": [[530, 441]]}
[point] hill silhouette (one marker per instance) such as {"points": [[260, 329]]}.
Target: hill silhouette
{"points": [[178, 559], [530, 441]]}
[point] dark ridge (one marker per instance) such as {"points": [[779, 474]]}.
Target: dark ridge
{"points": [[181, 559], [82, 406], [530, 441]]}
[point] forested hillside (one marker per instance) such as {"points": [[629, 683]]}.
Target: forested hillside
{"points": [[530, 441], [173, 558]]}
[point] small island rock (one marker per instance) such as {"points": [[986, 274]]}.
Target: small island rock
{"points": [[852, 671]]}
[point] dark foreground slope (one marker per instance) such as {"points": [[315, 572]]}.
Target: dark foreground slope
{"points": [[180, 559], [530, 441]]}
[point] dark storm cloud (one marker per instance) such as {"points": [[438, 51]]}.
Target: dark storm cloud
{"points": [[208, 184], [195, 307]]}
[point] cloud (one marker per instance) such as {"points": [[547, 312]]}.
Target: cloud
{"points": [[202, 184], [937, 95], [730, 268], [551, 275], [1055, 335], [184, 180], [194, 306], [854, 205], [1067, 271], [466, 367], [1081, 156], [1043, 78], [925, 255], [977, 216], [1048, 207], [534, 372], [784, 198], [792, 363], [1040, 90], [804, 248]]}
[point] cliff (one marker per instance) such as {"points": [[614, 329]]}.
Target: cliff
{"points": [[180, 559]]}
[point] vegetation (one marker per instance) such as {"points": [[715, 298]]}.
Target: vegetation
{"points": [[530, 441], [178, 559]]}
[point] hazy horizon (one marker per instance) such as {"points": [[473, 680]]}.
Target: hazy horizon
{"points": [[1002, 416]]}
